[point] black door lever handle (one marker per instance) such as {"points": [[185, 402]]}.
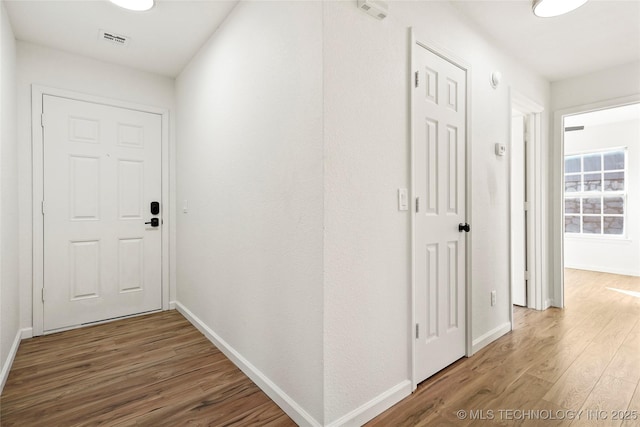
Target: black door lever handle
{"points": [[155, 222], [464, 227]]}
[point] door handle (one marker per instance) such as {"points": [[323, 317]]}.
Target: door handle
{"points": [[155, 222], [464, 227]]}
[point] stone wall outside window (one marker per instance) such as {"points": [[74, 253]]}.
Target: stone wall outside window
{"points": [[594, 193]]}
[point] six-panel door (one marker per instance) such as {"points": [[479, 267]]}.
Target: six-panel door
{"points": [[439, 123], [102, 169]]}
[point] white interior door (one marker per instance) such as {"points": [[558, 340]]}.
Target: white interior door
{"points": [[518, 222], [439, 126], [102, 170]]}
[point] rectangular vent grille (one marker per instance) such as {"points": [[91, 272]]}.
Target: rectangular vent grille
{"points": [[111, 37], [379, 9]]}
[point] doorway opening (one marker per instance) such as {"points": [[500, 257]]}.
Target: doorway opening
{"points": [[525, 204], [600, 175]]}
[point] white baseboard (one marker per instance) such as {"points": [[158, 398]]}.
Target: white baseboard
{"points": [[288, 405], [26, 333], [6, 366], [172, 305], [621, 271], [490, 336], [375, 406]]}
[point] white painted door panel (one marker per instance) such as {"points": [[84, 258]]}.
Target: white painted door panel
{"points": [[439, 114], [518, 224], [102, 169]]}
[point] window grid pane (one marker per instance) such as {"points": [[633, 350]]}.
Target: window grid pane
{"points": [[614, 181], [614, 160], [592, 224], [613, 225], [592, 162], [613, 205], [592, 182]]}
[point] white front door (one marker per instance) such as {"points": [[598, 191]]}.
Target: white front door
{"points": [[102, 170], [439, 158], [518, 223]]}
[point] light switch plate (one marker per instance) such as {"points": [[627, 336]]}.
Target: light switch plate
{"points": [[403, 199]]}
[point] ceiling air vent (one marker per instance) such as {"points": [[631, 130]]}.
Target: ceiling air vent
{"points": [[113, 38], [376, 8]]}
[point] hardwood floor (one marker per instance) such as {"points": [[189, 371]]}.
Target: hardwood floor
{"points": [[154, 370], [559, 362], [158, 370]]}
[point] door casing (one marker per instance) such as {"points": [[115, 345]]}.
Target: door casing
{"points": [[423, 42], [557, 274], [518, 215], [532, 111], [37, 93]]}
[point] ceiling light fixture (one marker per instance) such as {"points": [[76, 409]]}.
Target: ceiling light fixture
{"points": [[135, 5], [549, 8]]}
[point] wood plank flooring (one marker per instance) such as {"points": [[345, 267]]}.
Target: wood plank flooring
{"points": [[153, 370], [583, 358], [158, 370]]}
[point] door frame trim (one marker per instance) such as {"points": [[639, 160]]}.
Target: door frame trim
{"points": [[536, 295], [426, 43], [557, 196], [37, 135]]}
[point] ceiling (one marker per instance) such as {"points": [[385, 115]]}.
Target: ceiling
{"points": [[600, 34], [162, 40], [596, 36]]}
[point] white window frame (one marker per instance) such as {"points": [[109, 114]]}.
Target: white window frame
{"points": [[580, 195]]}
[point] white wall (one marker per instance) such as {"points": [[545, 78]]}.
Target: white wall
{"points": [[367, 241], [604, 88], [62, 70], [250, 171], [611, 255], [611, 83], [9, 290]]}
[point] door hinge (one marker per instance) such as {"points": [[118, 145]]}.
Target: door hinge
{"points": [[416, 79], [417, 204], [417, 330], [527, 275], [42, 294], [42, 207], [526, 206], [42, 120]]}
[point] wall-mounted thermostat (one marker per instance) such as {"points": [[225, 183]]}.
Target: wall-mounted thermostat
{"points": [[501, 149]]}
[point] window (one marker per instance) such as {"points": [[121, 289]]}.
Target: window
{"points": [[595, 193]]}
